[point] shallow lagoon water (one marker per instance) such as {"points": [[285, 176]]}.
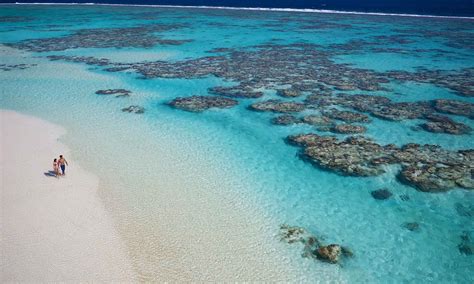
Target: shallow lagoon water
{"points": [[243, 145]]}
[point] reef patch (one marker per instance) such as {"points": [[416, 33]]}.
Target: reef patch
{"points": [[202, 103], [313, 246], [429, 168]]}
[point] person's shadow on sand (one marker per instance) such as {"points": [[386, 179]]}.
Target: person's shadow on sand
{"points": [[50, 174]]}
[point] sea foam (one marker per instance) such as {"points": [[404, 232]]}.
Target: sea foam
{"points": [[323, 11]]}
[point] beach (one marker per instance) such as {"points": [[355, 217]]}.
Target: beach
{"points": [[53, 229]]}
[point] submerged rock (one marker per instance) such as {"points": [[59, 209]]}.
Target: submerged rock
{"points": [[286, 119], [426, 167], [347, 251], [444, 124], [134, 109], [430, 178], [116, 69], [345, 87], [236, 92], [307, 140], [347, 116], [329, 253], [318, 120], [401, 111], [455, 107], [313, 248], [288, 93], [292, 234], [352, 156], [466, 246], [411, 226], [348, 129], [140, 37], [277, 106], [381, 194], [10, 67], [377, 106], [459, 81], [202, 103], [433, 169], [117, 92], [89, 60]]}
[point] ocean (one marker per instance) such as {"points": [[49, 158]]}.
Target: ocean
{"points": [[231, 92], [462, 8]]}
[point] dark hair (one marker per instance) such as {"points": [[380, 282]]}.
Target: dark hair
{"points": [[54, 160], [60, 156]]}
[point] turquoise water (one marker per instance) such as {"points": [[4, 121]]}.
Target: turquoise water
{"points": [[244, 144]]}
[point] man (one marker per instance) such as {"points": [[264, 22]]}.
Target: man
{"points": [[62, 163]]}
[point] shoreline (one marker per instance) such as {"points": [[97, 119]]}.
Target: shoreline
{"points": [[192, 231], [322, 11], [53, 229]]}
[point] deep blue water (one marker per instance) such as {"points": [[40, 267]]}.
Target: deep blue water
{"points": [[424, 7]]}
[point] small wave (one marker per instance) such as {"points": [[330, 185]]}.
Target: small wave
{"points": [[323, 11]]}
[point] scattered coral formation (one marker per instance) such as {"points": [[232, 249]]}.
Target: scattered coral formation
{"points": [[134, 109], [455, 107], [346, 116], [313, 247], [288, 93], [348, 128], [141, 36], [89, 60], [277, 106], [444, 124], [297, 69], [318, 120], [381, 194], [10, 67], [426, 167], [235, 92], [286, 119], [201, 103], [119, 93], [384, 108]]}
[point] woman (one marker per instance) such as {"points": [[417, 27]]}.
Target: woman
{"points": [[56, 167]]}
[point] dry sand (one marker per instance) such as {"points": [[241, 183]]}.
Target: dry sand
{"points": [[52, 229]]}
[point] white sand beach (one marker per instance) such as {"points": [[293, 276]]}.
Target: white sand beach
{"points": [[52, 229]]}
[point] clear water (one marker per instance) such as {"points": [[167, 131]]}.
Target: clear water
{"points": [[125, 150]]}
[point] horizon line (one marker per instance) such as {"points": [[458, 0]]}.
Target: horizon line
{"points": [[322, 11]]}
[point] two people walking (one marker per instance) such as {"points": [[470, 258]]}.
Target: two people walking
{"points": [[60, 163]]}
